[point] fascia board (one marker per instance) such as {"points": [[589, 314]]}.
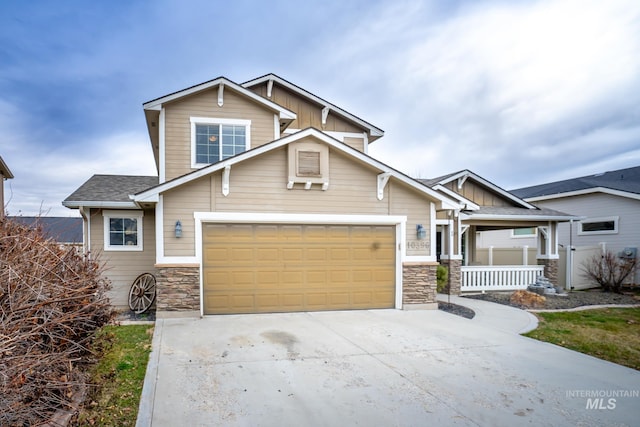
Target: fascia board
{"points": [[489, 217], [584, 192], [469, 205], [374, 131], [100, 204], [156, 104], [445, 202], [492, 186], [5, 170]]}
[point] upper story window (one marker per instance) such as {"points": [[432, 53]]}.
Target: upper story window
{"points": [[213, 140], [122, 230], [605, 225]]}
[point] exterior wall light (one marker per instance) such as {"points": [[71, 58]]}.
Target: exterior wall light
{"points": [[421, 232], [178, 229]]}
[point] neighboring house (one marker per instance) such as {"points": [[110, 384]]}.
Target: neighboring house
{"points": [[5, 174], [607, 204], [64, 230], [267, 201]]}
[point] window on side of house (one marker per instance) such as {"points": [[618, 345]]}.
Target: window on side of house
{"points": [[122, 230], [524, 232], [604, 225], [213, 140]]}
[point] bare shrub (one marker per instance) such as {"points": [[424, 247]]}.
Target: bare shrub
{"points": [[608, 270], [52, 300]]}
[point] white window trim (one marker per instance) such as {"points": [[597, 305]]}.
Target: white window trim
{"points": [[216, 121], [615, 220], [107, 214], [524, 236]]}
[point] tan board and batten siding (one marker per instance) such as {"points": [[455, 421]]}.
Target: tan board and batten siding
{"points": [[258, 268], [309, 114], [478, 194], [260, 185], [122, 267], [205, 104]]}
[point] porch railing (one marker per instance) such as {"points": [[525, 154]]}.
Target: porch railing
{"points": [[498, 277]]}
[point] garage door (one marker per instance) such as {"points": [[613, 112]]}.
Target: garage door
{"points": [[250, 268]]}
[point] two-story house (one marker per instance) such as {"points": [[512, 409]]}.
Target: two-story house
{"points": [[266, 201]]}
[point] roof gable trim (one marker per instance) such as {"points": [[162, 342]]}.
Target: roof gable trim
{"points": [[462, 176], [583, 192], [446, 202], [156, 104], [326, 106]]}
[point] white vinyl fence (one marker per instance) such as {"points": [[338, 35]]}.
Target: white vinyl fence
{"points": [[480, 278]]}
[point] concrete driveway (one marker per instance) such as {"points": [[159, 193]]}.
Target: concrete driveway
{"points": [[377, 368]]}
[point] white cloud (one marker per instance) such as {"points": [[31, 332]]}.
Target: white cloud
{"points": [[504, 88], [43, 179]]}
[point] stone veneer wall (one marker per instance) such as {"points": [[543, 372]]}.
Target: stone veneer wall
{"points": [[178, 289], [455, 275], [550, 269], [419, 283]]}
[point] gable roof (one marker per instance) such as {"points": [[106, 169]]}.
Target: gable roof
{"points": [[156, 104], [60, 229], [4, 170], [152, 193], [109, 191], [622, 182], [440, 182], [374, 132]]}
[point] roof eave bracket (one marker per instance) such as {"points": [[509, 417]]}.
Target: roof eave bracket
{"points": [[225, 180], [382, 179], [269, 88], [221, 95]]}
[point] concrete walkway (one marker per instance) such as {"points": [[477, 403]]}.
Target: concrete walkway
{"points": [[497, 317], [377, 368]]}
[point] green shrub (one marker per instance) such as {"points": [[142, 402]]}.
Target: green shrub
{"points": [[442, 274]]}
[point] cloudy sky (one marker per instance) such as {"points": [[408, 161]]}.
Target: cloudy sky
{"points": [[520, 92]]}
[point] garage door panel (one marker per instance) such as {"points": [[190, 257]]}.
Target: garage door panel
{"points": [[293, 300], [292, 254], [339, 299], [283, 267], [267, 254]]}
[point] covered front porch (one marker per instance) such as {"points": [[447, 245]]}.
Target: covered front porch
{"points": [[474, 270]]}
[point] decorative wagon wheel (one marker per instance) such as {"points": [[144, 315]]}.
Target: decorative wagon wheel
{"points": [[142, 293]]}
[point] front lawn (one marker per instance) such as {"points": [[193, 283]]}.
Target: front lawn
{"points": [[118, 376], [611, 334]]}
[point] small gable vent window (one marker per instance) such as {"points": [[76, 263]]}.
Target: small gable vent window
{"points": [[309, 163]]}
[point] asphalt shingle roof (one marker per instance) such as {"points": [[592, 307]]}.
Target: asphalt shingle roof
{"points": [[623, 180], [111, 188]]}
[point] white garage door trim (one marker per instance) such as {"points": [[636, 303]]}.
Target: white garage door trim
{"points": [[255, 218]]}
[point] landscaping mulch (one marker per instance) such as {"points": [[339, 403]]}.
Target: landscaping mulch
{"points": [[456, 309], [571, 300]]}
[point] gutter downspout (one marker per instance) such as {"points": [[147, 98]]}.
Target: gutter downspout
{"points": [[86, 239]]}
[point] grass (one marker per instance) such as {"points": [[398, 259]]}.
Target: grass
{"points": [[611, 334], [119, 376]]}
